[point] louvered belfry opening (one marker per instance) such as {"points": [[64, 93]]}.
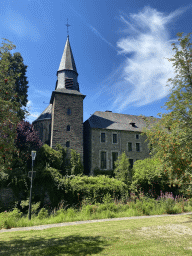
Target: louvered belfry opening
{"points": [[68, 83]]}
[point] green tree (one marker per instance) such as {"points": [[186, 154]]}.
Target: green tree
{"points": [[171, 137], [76, 164], [122, 169], [13, 97], [148, 175], [9, 107]]}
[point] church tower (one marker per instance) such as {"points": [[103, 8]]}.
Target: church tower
{"points": [[67, 105]]}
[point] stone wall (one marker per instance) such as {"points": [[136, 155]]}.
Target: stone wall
{"points": [[123, 137], [61, 119]]}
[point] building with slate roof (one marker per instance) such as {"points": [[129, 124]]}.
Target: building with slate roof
{"points": [[102, 138], [62, 121], [107, 135]]}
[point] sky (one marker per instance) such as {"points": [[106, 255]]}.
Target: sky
{"points": [[120, 49]]}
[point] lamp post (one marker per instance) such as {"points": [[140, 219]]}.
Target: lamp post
{"points": [[33, 154]]}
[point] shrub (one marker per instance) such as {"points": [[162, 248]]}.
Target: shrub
{"points": [[97, 172], [43, 213], [47, 156], [96, 188], [122, 169]]}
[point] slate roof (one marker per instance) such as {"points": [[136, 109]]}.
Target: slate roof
{"points": [[67, 60], [115, 121], [46, 114]]}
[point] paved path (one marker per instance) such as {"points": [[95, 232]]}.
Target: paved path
{"points": [[41, 227]]}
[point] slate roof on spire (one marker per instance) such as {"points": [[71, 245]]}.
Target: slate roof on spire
{"points": [[67, 60]]}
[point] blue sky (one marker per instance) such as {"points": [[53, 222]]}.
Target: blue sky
{"points": [[120, 49]]}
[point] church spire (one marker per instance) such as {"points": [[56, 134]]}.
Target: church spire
{"points": [[67, 60], [67, 72]]}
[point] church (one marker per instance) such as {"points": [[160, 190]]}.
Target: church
{"points": [[101, 138]]}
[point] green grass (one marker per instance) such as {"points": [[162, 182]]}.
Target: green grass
{"points": [[170, 235], [145, 206]]}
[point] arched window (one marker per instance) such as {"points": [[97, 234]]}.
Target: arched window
{"points": [[68, 111], [68, 128]]}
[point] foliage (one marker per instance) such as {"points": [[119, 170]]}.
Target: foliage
{"points": [[96, 188], [171, 138], [109, 173], [27, 140], [65, 163], [122, 169], [9, 107], [49, 157], [148, 176], [76, 164], [111, 208], [43, 213]]}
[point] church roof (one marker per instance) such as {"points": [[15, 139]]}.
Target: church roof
{"points": [[67, 60], [46, 114], [115, 121]]}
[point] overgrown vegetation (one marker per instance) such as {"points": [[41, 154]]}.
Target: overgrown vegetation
{"points": [[88, 209]]}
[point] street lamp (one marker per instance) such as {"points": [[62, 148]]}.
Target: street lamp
{"points": [[33, 155]]}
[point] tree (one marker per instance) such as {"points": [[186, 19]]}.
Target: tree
{"points": [[13, 96], [171, 137], [9, 107], [149, 176], [76, 164], [122, 169], [27, 140], [21, 87], [13, 76]]}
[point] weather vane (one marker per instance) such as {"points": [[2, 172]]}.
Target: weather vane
{"points": [[67, 25]]}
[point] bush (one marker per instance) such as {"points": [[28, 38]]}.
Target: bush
{"points": [[96, 188], [47, 156], [43, 214], [97, 172], [148, 176]]}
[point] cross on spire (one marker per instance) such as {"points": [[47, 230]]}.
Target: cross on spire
{"points": [[67, 25]]}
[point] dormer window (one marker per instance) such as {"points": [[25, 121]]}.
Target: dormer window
{"points": [[132, 124]]}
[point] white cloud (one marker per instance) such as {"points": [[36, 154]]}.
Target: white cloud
{"points": [[143, 76], [20, 25]]}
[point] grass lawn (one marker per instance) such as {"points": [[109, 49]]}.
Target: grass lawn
{"points": [[170, 235]]}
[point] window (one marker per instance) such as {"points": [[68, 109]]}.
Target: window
{"points": [[129, 146], [131, 163], [103, 160], [114, 158], [138, 147], [137, 136], [68, 111], [68, 144], [114, 138], [68, 128], [102, 137]]}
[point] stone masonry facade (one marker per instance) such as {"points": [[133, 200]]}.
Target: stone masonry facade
{"points": [[67, 121], [95, 147]]}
